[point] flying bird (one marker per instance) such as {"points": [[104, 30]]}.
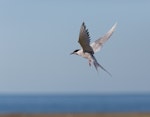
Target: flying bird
{"points": [[88, 49]]}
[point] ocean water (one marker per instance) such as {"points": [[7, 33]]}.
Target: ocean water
{"points": [[74, 103]]}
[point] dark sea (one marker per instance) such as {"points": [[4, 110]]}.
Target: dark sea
{"points": [[74, 103]]}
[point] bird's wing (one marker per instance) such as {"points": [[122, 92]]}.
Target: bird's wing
{"points": [[99, 42], [84, 39]]}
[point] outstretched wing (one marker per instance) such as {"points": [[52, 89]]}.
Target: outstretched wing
{"points": [[96, 46], [84, 39]]}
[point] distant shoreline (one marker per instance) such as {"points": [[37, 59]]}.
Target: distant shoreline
{"points": [[29, 104], [79, 115]]}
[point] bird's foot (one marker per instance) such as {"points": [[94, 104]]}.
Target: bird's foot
{"points": [[90, 63]]}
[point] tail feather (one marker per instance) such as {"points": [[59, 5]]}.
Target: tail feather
{"points": [[96, 64]]}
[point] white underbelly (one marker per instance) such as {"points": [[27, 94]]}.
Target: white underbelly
{"points": [[85, 55]]}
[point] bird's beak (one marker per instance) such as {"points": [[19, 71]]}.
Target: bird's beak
{"points": [[71, 53]]}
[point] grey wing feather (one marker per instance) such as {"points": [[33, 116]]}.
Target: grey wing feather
{"points": [[99, 42], [84, 39]]}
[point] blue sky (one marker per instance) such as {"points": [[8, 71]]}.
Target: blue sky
{"points": [[37, 37]]}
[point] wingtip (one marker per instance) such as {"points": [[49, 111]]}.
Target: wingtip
{"points": [[114, 26], [83, 23]]}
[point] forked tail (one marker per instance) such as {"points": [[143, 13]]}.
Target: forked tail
{"points": [[96, 64]]}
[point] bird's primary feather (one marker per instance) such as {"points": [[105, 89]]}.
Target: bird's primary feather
{"points": [[96, 45], [84, 39]]}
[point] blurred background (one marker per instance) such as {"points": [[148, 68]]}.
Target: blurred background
{"points": [[37, 37]]}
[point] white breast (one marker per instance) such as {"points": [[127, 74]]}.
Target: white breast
{"points": [[84, 55]]}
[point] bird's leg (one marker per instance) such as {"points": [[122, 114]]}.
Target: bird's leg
{"points": [[90, 62]]}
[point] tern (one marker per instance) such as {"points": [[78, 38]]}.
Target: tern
{"points": [[88, 49]]}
